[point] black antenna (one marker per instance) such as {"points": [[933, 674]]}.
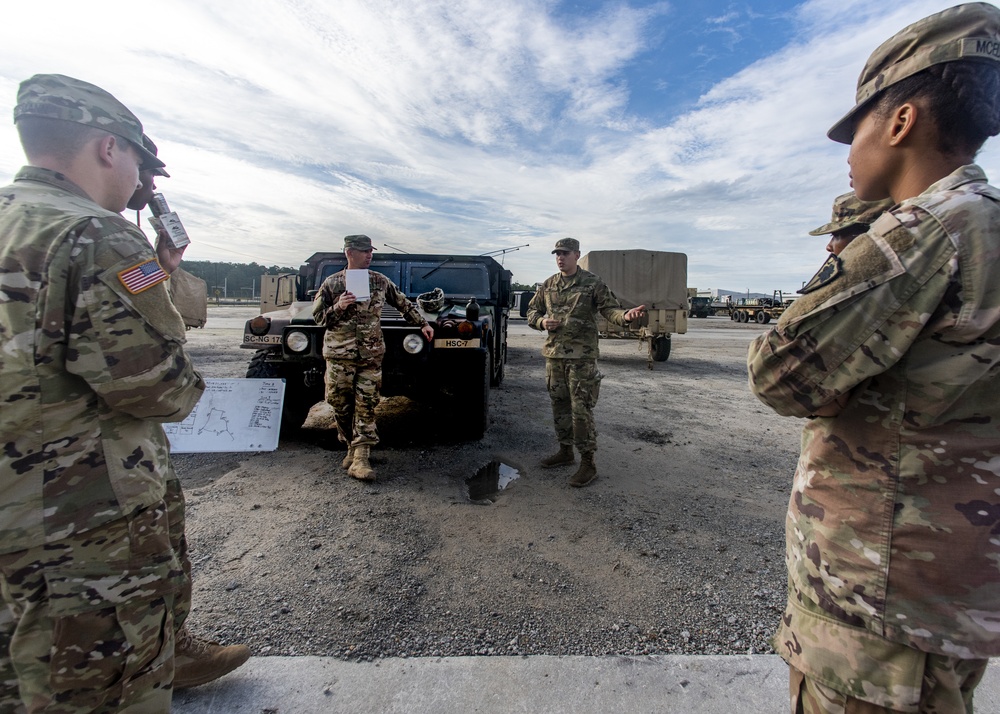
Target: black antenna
{"points": [[504, 251], [395, 248]]}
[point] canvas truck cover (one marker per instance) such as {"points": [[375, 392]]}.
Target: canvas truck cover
{"points": [[654, 278]]}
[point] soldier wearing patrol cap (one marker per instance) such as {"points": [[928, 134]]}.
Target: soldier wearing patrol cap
{"points": [[851, 217], [565, 306], [196, 661], [92, 357], [892, 527], [353, 347]]}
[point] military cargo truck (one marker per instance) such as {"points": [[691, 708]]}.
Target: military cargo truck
{"points": [[654, 278], [454, 372], [759, 310]]}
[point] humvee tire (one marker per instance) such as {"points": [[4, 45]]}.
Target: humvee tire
{"points": [[472, 408], [298, 398]]}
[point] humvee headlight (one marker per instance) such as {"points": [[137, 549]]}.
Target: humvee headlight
{"points": [[297, 341], [413, 343], [466, 328], [260, 325]]}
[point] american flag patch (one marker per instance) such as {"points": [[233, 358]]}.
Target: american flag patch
{"points": [[142, 276]]}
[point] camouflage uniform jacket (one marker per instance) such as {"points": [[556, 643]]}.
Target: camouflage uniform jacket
{"points": [[88, 370], [893, 526], [575, 302], [356, 333]]}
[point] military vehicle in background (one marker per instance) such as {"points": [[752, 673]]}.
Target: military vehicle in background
{"points": [[759, 310], [454, 372], [654, 278], [700, 306]]}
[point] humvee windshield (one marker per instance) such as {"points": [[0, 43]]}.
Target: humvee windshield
{"points": [[457, 280]]}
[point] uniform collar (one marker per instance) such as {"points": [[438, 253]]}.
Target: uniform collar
{"points": [[50, 177], [970, 173]]}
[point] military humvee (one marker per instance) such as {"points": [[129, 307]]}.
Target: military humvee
{"points": [[454, 372]]}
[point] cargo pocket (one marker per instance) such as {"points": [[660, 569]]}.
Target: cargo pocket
{"points": [[110, 634]]}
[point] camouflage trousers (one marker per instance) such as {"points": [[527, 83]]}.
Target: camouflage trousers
{"points": [[352, 389], [87, 622], [574, 385], [948, 684]]}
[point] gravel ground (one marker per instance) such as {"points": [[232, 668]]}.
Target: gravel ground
{"points": [[676, 548]]}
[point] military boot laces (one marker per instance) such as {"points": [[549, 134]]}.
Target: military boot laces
{"points": [[349, 459], [563, 457], [360, 468], [586, 473], [198, 661]]}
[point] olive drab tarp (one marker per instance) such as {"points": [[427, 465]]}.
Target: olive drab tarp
{"points": [[654, 278]]}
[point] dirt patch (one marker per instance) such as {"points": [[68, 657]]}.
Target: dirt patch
{"points": [[676, 548]]}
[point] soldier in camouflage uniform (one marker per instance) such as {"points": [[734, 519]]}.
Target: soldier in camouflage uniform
{"points": [[92, 362], [353, 348], [892, 527], [851, 217], [196, 661], [566, 307]]}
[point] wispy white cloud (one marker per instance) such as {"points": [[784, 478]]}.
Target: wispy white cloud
{"points": [[440, 126]]}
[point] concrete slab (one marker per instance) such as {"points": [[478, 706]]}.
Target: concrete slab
{"points": [[558, 685]]}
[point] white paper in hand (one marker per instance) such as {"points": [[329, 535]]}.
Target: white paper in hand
{"points": [[357, 283]]}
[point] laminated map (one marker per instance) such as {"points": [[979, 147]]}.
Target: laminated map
{"points": [[232, 415]]}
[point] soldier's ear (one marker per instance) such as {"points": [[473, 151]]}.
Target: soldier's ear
{"points": [[902, 122]]}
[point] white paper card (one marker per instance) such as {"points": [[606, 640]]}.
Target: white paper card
{"points": [[357, 283]]}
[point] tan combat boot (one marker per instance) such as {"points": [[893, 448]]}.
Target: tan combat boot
{"points": [[586, 473], [563, 457], [198, 661], [360, 468], [349, 459]]}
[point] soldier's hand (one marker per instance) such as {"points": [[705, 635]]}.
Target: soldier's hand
{"points": [[635, 313], [551, 324], [168, 256], [346, 299], [428, 332], [833, 408]]}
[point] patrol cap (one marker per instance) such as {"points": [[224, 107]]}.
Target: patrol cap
{"points": [[849, 210], [148, 144], [964, 32], [566, 244], [57, 96], [358, 242]]}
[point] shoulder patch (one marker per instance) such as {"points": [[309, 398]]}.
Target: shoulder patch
{"points": [[830, 271], [142, 276]]}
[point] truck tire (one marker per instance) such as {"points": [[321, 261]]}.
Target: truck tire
{"points": [[659, 348], [734, 316], [496, 364], [763, 318], [298, 398], [473, 408]]}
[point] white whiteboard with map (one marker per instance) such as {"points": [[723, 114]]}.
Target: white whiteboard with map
{"points": [[232, 415]]}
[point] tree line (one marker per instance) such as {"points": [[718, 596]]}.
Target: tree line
{"points": [[233, 280]]}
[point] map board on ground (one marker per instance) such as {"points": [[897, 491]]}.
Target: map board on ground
{"points": [[232, 415]]}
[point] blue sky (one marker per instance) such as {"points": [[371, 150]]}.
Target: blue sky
{"points": [[466, 126]]}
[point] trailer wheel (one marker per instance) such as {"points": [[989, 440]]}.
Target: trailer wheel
{"points": [[659, 348], [734, 316], [763, 318]]}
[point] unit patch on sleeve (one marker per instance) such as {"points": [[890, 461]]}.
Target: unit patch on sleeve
{"points": [[142, 276]]}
